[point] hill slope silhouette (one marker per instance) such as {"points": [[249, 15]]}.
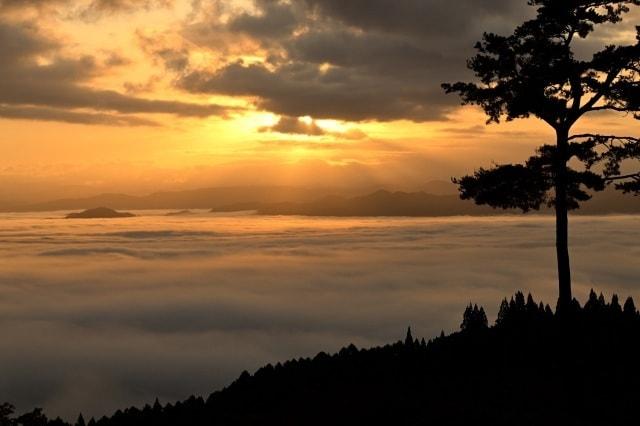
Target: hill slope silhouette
{"points": [[533, 367]]}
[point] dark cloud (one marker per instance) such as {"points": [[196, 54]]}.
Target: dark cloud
{"points": [[52, 114], [361, 60], [20, 4], [75, 96], [115, 59], [351, 60], [276, 20], [428, 19], [371, 53], [34, 90], [114, 6], [96, 9], [22, 41], [173, 59], [299, 89], [89, 9]]}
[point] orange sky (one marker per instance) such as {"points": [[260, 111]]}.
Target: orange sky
{"points": [[206, 93]]}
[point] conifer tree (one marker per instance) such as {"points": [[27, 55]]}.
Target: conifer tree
{"points": [[535, 72], [6, 414]]}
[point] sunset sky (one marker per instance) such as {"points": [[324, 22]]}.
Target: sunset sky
{"points": [[165, 297], [143, 95]]}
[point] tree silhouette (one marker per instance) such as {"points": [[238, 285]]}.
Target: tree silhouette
{"points": [[33, 418], [534, 72], [474, 319], [6, 412]]}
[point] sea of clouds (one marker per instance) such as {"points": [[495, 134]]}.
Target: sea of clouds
{"points": [[97, 315]]}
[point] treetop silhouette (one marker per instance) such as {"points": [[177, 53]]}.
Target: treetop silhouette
{"points": [[535, 72], [474, 319]]}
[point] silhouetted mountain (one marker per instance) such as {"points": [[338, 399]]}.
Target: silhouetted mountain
{"points": [[99, 213], [207, 198], [239, 207], [379, 203], [439, 199], [440, 187], [610, 201], [385, 203], [533, 367], [192, 199]]}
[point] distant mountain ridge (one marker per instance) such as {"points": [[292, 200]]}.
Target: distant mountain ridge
{"points": [[419, 204], [380, 203], [439, 199], [204, 198]]}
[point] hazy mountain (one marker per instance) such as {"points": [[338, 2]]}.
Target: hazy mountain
{"points": [[439, 198], [385, 203], [236, 198], [205, 198], [611, 201], [379, 203], [99, 213]]}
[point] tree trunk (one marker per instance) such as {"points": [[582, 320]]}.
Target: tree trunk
{"points": [[562, 220]]}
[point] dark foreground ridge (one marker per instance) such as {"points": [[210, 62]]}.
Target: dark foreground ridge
{"points": [[533, 367]]}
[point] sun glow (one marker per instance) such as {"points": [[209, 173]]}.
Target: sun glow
{"points": [[332, 126], [141, 56]]}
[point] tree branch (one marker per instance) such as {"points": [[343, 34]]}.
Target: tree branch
{"points": [[612, 108], [605, 87], [634, 176], [604, 137]]}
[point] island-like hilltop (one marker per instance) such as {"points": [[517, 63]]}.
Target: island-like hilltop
{"points": [[99, 213]]}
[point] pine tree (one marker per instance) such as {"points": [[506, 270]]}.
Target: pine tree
{"points": [[408, 340], [615, 305], [6, 413], [503, 313], [535, 72], [80, 421], [473, 319], [629, 307]]}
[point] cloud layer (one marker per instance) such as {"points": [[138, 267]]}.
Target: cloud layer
{"points": [[381, 60], [378, 60], [359, 60], [41, 82], [99, 315]]}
